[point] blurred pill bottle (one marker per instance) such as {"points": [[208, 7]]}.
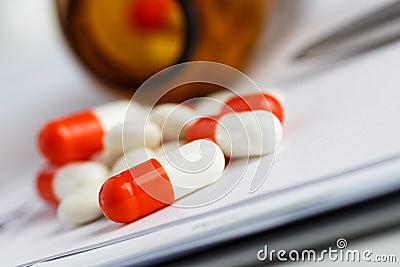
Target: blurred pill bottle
{"points": [[124, 42]]}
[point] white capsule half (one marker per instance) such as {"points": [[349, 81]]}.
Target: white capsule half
{"points": [[106, 158], [193, 166], [131, 135], [131, 159], [112, 114], [167, 147], [248, 133], [75, 175], [82, 206], [173, 119], [212, 103]]}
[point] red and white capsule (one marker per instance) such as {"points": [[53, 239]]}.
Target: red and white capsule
{"points": [[157, 183], [79, 136], [54, 183], [243, 134]]}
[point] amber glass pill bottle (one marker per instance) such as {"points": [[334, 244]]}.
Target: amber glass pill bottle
{"points": [[124, 42]]}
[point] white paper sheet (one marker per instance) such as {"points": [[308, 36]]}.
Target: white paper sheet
{"points": [[338, 120]]}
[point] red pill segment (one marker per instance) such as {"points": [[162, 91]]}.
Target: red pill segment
{"points": [[157, 183], [136, 192], [76, 137], [79, 136], [203, 128], [44, 184], [259, 101]]}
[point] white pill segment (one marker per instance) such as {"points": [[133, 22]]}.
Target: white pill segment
{"points": [[131, 135], [106, 157], [193, 166], [169, 146], [73, 176], [113, 114], [157, 183], [146, 109], [212, 103], [243, 134], [131, 159], [134, 137], [81, 206], [173, 119], [249, 133]]}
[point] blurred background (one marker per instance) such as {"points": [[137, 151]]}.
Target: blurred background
{"points": [[42, 77]]}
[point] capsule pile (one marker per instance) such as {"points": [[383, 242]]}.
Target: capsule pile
{"points": [[100, 163]]}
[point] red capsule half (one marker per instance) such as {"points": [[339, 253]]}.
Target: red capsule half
{"points": [[259, 101], [44, 184], [136, 192], [76, 137]]}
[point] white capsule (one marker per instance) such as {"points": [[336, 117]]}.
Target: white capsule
{"points": [[193, 166], [72, 176], [173, 119], [81, 206], [131, 135], [211, 104], [131, 159], [167, 147]]}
